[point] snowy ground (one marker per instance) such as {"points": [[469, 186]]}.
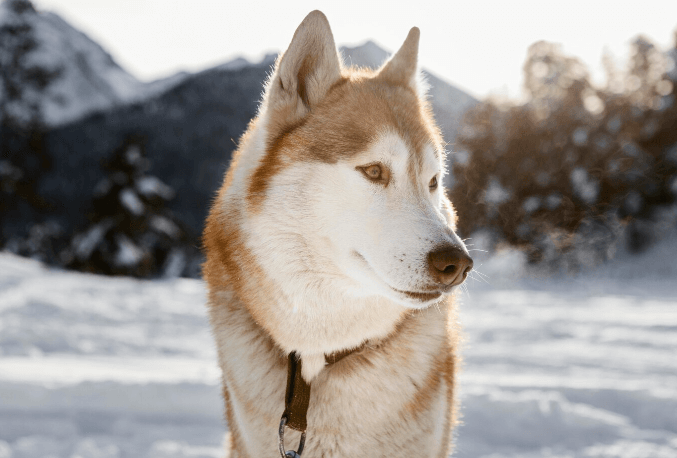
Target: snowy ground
{"points": [[94, 367]]}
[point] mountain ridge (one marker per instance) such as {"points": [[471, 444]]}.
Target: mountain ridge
{"points": [[189, 123], [89, 79], [86, 77]]}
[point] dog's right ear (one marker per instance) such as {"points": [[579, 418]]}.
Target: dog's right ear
{"points": [[308, 68], [401, 69]]}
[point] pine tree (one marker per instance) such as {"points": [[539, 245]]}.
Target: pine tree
{"points": [[564, 174], [23, 157], [130, 231]]}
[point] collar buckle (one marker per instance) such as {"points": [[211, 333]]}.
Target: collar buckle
{"points": [[289, 453]]}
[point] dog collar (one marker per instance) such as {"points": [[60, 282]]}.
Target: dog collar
{"points": [[297, 399]]}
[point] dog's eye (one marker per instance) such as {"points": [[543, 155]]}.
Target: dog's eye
{"points": [[433, 183], [373, 172], [377, 173]]}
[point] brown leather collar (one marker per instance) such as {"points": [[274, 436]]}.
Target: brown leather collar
{"points": [[297, 397], [337, 356]]}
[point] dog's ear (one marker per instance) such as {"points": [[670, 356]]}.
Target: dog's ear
{"points": [[308, 68], [401, 69]]}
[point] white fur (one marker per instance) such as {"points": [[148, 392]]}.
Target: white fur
{"points": [[313, 220], [334, 254]]}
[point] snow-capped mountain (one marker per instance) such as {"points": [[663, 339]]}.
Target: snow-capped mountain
{"points": [[190, 131], [86, 78], [189, 123], [368, 55]]}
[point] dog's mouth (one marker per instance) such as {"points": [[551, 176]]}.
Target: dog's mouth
{"points": [[422, 297], [418, 296]]}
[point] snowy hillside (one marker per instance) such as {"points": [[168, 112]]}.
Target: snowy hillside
{"points": [[87, 78], [98, 367]]}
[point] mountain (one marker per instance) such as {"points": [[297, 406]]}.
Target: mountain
{"points": [[189, 133], [86, 78], [189, 124]]}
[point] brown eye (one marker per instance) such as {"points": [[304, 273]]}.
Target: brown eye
{"points": [[377, 173], [433, 183], [373, 172]]}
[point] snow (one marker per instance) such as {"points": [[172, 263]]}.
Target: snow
{"points": [[151, 186], [86, 243], [175, 263], [580, 136], [572, 366], [128, 254], [165, 226], [531, 204], [585, 187], [130, 200], [495, 193], [553, 201]]}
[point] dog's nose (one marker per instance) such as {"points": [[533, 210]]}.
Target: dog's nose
{"points": [[449, 265]]}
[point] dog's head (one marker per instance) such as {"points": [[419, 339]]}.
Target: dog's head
{"points": [[349, 188]]}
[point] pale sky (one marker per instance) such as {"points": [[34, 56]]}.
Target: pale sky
{"points": [[477, 45]]}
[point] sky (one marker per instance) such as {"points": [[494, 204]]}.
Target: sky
{"points": [[477, 45]]}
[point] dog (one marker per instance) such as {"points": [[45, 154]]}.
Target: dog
{"points": [[331, 263]]}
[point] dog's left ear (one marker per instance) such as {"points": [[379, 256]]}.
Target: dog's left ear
{"points": [[308, 68], [401, 69]]}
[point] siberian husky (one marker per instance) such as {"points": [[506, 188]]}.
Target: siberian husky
{"points": [[331, 263]]}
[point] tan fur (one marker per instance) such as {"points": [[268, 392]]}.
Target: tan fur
{"points": [[273, 287]]}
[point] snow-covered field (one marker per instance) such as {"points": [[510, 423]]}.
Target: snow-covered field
{"points": [[570, 367]]}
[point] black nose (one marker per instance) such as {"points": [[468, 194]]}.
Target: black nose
{"points": [[449, 265]]}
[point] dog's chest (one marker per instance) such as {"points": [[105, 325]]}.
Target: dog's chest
{"points": [[395, 392]]}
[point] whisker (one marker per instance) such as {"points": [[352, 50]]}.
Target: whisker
{"points": [[481, 277], [480, 273], [478, 280]]}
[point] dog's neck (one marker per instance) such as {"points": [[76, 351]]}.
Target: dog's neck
{"points": [[314, 328]]}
